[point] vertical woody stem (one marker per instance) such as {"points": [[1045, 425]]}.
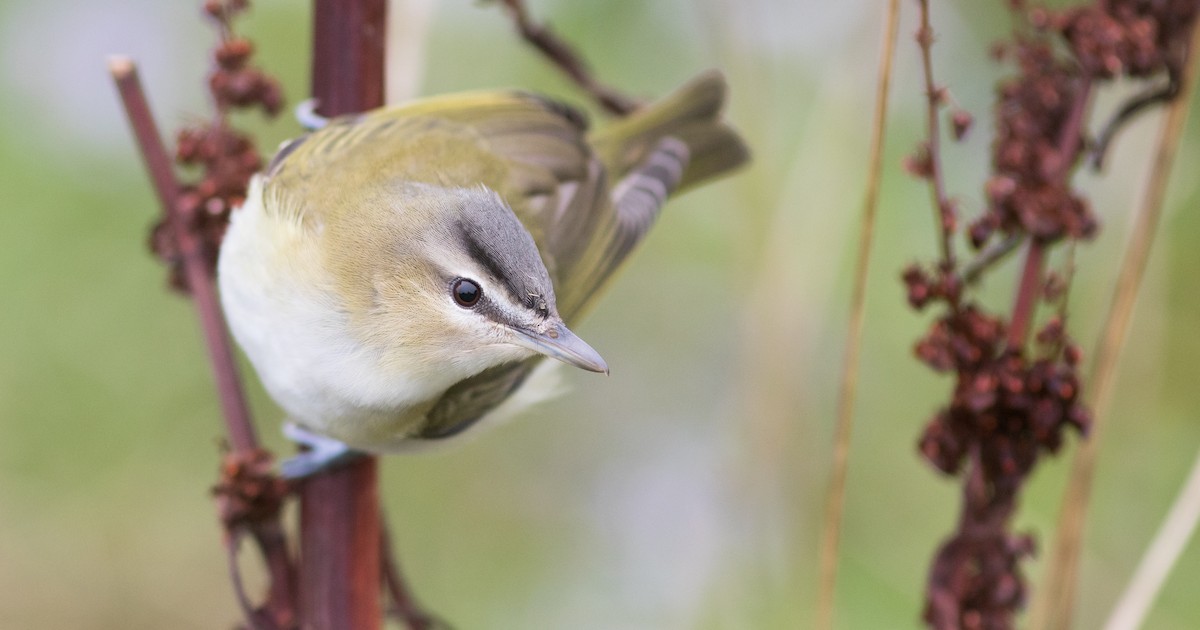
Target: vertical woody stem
{"points": [[339, 509]]}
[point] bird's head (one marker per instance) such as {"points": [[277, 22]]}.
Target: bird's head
{"points": [[454, 284]]}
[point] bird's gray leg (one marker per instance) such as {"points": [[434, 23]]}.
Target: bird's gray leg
{"points": [[323, 453]]}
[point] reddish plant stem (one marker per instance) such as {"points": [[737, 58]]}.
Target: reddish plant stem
{"points": [[349, 38], [995, 253], [339, 509], [220, 351], [1069, 141], [562, 55], [281, 594], [279, 611], [339, 549], [933, 95], [1070, 137], [1027, 295]]}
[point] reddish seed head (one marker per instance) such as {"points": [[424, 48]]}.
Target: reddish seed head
{"points": [[961, 122], [214, 8], [229, 159], [919, 164], [233, 54]]}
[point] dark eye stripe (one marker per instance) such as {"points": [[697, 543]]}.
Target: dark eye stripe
{"points": [[480, 253]]}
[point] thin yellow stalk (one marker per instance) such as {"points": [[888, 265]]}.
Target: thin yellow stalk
{"points": [[1161, 556], [841, 448], [1056, 603]]}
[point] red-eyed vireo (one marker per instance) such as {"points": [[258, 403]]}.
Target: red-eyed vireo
{"points": [[396, 275]]}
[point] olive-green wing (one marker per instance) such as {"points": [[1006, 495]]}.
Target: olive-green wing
{"points": [[522, 146]]}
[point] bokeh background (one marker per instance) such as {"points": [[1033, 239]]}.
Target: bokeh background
{"points": [[682, 492]]}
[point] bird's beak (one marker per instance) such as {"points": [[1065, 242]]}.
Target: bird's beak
{"points": [[558, 342]]}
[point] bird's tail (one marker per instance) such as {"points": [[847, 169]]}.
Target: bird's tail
{"points": [[691, 114]]}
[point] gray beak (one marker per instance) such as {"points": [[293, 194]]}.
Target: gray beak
{"points": [[560, 343]]}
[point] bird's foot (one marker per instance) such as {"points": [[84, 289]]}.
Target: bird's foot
{"points": [[307, 116], [323, 453]]}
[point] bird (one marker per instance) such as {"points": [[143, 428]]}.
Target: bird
{"points": [[395, 276]]}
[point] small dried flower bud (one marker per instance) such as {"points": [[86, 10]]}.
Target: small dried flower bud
{"points": [[162, 242], [961, 122], [205, 189], [188, 145], [919, 287], [233, 54], [271, 96], [1052, 332], [243, 87], [981, 230], [919, 164], [939, 96], [214, 8], [214, 206], [950, 287], [224, 9], [1007, 591], [934, 354], [1079, 418], [999, 188], [1055, 287], [949, 213], [189, 202], [1040, 18], [1072, 354], [941, 446]]}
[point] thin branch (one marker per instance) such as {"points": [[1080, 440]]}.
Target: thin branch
{"points": [[235, 577], [1028, 291], [1058, 599], [933, 97], [993, 254], [570, 62], [1172, 538], [841, 451], [1135, 105], [266, 528], [281, 596], [220, 351], [1069, 141]]}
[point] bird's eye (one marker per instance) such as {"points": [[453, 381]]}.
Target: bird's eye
{"points": [[466, 292]]}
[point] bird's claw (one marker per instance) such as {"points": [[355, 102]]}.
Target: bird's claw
{"points": [[307, 116], [323, 453]]}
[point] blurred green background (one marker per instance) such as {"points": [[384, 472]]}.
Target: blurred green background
{"points": [[683, 492]]}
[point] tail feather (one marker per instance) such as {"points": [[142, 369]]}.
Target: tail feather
{"points": [[691, 114]]}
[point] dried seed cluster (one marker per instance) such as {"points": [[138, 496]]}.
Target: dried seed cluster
{"points": [[1028, 192], [1012, 400], [981, 578], [1134, 38], [226, 157], [248, 491]]}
